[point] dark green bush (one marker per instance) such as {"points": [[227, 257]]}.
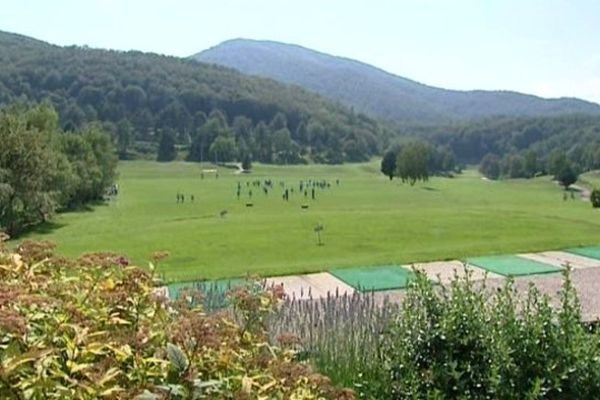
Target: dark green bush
{"points": [[595, 198], [461, 343]]}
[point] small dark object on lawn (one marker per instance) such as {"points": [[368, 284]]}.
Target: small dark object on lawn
{"points": [[223, 213], [249, 204], [318, 229], [304, 206]]}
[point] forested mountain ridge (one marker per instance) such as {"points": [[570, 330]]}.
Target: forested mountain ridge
{"points": [[377, 92], [144, 97]]}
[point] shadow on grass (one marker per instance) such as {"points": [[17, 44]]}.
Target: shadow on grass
{"points": [[429, 188], [52, 225], [42, 229], [87, 207]]}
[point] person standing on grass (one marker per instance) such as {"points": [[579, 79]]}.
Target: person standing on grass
{"points": [[313, 193], [192, 198]]}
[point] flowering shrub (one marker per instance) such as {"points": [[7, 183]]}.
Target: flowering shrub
{"points": [[97, 328]]}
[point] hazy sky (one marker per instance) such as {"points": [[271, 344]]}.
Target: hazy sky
{"points": [[546, 47]]}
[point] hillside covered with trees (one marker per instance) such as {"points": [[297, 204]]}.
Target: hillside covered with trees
{"points": [[376, 92], [146, 99], [520, 147]]}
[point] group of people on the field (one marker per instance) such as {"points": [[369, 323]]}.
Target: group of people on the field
{"points": [[304, 187], [181, 198]]}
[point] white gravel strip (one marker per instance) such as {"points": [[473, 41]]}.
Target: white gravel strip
{"points": [[562, 259], [586, 282], [309, 286], [444, 271]]}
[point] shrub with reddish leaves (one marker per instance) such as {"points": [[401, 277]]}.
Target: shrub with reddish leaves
{"points": [[97, 328]]}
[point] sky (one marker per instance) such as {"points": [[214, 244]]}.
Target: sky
{"points": [[550, 48]]}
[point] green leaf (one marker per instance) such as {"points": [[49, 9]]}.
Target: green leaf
{"points": [[177, 357]]}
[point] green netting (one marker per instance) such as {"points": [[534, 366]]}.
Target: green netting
{"points": [[374, 278], [591, 252], [207, 287], [512, 265]]}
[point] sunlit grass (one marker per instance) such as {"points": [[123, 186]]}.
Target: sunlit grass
{"points": [[367, 220]]}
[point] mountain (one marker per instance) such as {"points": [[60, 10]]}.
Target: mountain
{"points": [[376, 92], [141, 96]]}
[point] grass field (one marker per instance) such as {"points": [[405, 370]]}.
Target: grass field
{"points": [[367, 220]]}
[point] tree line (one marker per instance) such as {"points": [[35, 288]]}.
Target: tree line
{"points": [[417, 161], [44, 169], [157, 106], [508, 147], [273, 142]]}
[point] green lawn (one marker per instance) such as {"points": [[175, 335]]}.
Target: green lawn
{"points": [[368, 220]]}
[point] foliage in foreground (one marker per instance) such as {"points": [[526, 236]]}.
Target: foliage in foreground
{"points": [[95, 328], [465, 341]]}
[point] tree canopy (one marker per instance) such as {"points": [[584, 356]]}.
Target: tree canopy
{"points": [[43, 169], [138, 96]]}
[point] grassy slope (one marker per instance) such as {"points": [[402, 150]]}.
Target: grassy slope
{"points": [[590, 180], [368, 220]]}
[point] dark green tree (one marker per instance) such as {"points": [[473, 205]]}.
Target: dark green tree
{"points": [[514, 166], [557, 163], [223, 149], [166, 147], [44, 170], [595, 198], [531, 164], [567, 176], [491, 166], [388, 164], [247, 162], [413, 162], [28, 162]]}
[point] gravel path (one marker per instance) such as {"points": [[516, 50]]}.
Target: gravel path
{"points": [[444, 271], [585, 280], [309, 286], [562, 259]]}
